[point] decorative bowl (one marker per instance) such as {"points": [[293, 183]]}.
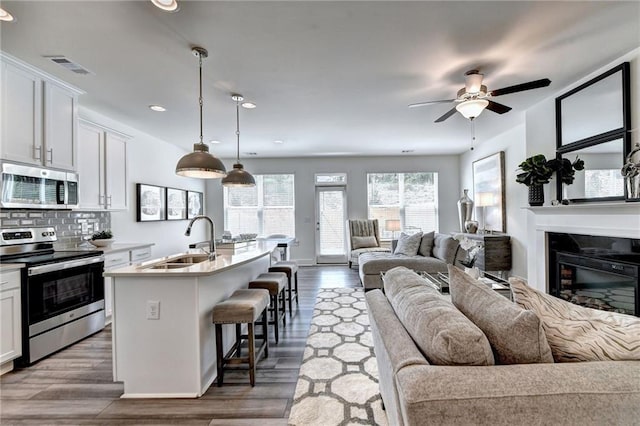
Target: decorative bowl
{"points": [[103, 242]]}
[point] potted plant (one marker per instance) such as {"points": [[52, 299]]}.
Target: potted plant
{"points": [[102, 238], [535, 172]]}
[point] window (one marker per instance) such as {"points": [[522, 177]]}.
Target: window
{"points": [[266, 209], [411, 198]]}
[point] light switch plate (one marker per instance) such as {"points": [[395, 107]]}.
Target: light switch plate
{"points": [[153, 309]]}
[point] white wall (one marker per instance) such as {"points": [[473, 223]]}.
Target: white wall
{"points": [[356, 169], [512, 142], [152, 161]]}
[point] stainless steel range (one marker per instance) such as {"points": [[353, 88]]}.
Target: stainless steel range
{"points": [[62, 291]]}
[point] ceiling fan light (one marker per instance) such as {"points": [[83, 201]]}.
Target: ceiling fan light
{"points": [[472, 108], [200, 164], [166, 5], [238, 177]]}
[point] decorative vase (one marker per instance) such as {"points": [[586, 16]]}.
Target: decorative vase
{"points": [[536, 195], [471, 226], [465, 209]]}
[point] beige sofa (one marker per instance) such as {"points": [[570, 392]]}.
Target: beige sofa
{"points": [[415, 392], [436, 251]]}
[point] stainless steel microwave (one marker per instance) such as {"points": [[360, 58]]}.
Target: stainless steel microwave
{"points": [[29, 187]]}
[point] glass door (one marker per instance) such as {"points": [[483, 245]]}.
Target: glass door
{"points": [[331, 217]]}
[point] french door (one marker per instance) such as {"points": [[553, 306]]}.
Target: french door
{"points": [[331, 217]]}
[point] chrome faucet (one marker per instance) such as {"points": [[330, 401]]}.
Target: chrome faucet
{"points": [[212, 236]]}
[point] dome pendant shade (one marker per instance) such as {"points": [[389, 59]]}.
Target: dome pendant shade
{"points": [[238, 177], [200, 164], [472, 108]]}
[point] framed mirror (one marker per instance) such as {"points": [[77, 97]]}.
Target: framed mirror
{"points": [[595, 110]]}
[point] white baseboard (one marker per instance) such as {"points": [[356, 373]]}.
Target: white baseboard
{"points": [[6, 367]]}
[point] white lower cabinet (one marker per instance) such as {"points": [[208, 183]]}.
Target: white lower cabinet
{"points": [[10, 317], [118, 260]]}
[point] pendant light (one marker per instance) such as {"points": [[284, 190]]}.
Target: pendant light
{"points": [[238, 176], [199, 163]]}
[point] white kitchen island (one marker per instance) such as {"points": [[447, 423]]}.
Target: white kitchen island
{"points": [[174, 356]]}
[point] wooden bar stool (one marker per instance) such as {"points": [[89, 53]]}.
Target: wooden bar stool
{"points": [[243, 307], [291, 269], [275, 283]]}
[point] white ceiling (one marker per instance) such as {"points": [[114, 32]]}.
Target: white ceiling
{"points": [[329, 78]]}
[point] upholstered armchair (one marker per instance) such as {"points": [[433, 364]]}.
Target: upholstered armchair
{"points": [[364, 237]]}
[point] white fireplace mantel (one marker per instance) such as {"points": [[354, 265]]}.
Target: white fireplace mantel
{"points": [[603, 219]]}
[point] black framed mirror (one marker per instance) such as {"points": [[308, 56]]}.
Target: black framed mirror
{"points": [[595, 110], [592, 124]]}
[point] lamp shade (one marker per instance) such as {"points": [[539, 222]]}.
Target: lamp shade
{"points": [[200, 164], [392, 225], [472, 108], [484, 199], [238, 177]]}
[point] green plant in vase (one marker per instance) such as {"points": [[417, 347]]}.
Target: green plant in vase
{"points": [[535, 172], [566, 171]]}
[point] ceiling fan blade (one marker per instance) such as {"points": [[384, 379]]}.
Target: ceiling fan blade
{"points": [[498, 108], [446, 115], [521, 87], [443, 101]]}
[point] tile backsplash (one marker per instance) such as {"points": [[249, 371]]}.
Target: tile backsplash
{"points": [[68, 224]]}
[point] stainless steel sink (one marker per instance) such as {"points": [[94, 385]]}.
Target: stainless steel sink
{"points": [[190, 258], [170, 266]]}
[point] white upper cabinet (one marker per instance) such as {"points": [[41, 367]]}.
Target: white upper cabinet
{"points": [[39, 117], [102, 168]]}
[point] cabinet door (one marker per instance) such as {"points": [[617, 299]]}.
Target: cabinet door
{"points": [[108, 299], [21, 115], [59, 127], [91, 166], [116, 171], [10, 320]]}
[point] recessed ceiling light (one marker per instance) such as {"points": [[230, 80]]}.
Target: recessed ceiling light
{"points": [[278, 141], [6, 16], [248, 105], [214, 141], [167, 5], [158, 108]]}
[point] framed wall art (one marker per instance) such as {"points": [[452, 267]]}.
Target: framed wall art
{"points": [[195, 204], [488, 193], [176, 204], [150, 203]]}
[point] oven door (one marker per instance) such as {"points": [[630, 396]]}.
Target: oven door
{"points": [[57, 288]]}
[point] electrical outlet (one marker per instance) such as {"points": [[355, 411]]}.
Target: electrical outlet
{"points": [[153, 309]]}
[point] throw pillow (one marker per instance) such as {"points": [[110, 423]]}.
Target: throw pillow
{"points": [[445, 248], [443, 334], [577, 333], [426, 244], [515, 334], [408, 244], [364, 242]]}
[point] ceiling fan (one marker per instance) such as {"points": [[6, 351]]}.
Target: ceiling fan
{"points": [[474, 97]]}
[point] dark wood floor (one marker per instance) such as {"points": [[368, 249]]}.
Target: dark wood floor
{"points": [[75, 385]]}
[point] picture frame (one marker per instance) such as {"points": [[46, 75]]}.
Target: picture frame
{"points": [[150, 203], [195, 204], [176, 204], [489, 193]]}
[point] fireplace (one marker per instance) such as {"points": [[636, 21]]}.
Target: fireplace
{"points": [[595, 271]]}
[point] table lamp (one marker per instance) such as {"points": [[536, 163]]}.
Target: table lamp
{"points": [[392, 225], [483, 200]]}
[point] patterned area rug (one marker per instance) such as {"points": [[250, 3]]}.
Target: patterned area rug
{"points": [[338, 381]]}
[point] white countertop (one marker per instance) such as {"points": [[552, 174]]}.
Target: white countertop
{"points": [[118, 247], [208, 267], [5, 267]]}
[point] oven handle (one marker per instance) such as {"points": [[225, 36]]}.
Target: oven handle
{"points": [[38, 270]]}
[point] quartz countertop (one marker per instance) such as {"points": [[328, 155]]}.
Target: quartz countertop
{"points": [[208, 267], [6, 267]]}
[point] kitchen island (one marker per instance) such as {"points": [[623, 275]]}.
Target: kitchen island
{"points": [[163, 338]]}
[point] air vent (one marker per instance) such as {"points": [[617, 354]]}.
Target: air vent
{"points": [[69, 64], [250, 153]]}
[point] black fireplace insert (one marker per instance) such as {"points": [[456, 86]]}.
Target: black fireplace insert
{"points": [[595, 271]]}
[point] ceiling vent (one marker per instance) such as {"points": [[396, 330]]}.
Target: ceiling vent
{"points": [[69, 64]]}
